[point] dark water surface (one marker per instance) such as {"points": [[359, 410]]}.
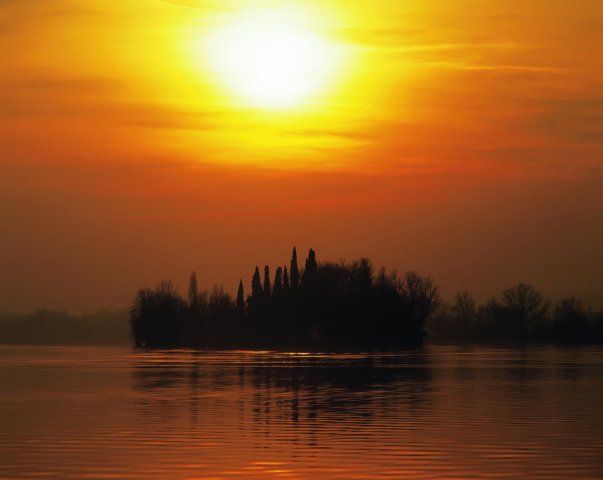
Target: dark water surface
{"points": [[441, 412]]}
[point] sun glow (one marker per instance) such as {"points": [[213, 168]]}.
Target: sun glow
{"points": [[269, 60]]}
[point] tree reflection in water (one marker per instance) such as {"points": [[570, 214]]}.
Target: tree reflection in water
{"points": [[284, 388]]}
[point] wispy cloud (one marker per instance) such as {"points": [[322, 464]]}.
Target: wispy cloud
{"points": [[578, 120], [49, 95], [535, 69], [336, 133], [476, 55]]}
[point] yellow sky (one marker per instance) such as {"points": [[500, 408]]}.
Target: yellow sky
{"points": [[463, 139]]}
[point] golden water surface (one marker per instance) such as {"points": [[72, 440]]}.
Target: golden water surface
{"points": [[439, 412]]}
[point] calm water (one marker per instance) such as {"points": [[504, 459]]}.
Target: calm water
{"points": [[443, 412]]}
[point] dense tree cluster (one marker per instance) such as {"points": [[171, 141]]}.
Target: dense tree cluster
{"points": [[522, 313], [324, 305]]}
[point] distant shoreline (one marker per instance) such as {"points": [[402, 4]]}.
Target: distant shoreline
{"points": [[324, 306]]}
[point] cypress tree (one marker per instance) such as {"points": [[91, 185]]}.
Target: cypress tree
{"points": [[278, 282], [285, 279], [241, 299], [256, 286], [294, 270], [267, 287], [311, 268]]}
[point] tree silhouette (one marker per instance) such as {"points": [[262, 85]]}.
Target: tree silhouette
{"points": [[347, 305], [464, 310], [520, 314], [256, 301], [294, 270], [267, 287], [241, 298], [193, 293], [336, 304], [285, 279], [194, 300], [527, 308], [311, 268], [158, 317], [256, 286], [365, 271], [570, 321], [278, 282], [420, 295]]}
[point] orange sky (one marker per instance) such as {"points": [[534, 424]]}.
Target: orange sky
{"points": [[461, 139]]}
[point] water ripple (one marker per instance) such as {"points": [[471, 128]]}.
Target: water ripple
{"points": [[441, 412]]}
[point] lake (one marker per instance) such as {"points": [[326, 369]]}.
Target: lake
{"points": [[437, 412]]}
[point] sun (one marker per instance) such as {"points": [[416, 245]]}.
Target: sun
{"points": [[268, 60]]}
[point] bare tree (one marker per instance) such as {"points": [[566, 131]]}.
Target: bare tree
{"points": [[527, 307], [464, 308], [421, 296]]}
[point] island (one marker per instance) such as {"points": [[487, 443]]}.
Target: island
{"points": [[322, 305]]}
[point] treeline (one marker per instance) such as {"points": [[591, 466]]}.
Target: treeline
{"points": [[322, 305], [48, 327], [520, 314]]}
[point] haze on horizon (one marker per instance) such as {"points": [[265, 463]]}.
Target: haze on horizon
{"points": [[460, 139]]}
